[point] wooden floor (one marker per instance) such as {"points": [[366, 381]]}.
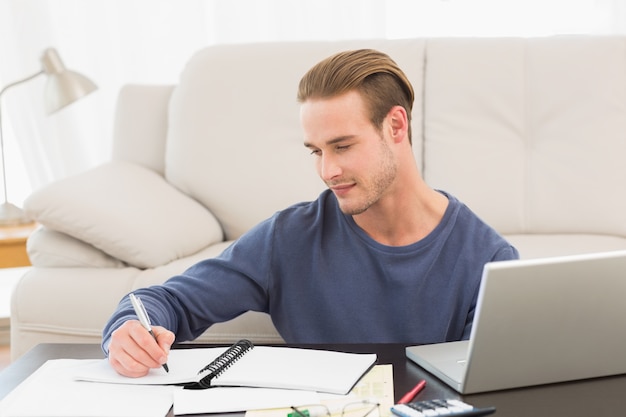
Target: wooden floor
{"points": [[5, 356]]}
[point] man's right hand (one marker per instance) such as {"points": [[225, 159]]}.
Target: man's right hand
{"points": [[133, 351]]}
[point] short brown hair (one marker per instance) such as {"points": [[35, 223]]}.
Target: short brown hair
{"points": [[372, 73]]}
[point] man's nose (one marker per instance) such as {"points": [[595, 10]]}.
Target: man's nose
{"points": [[329, 167]]}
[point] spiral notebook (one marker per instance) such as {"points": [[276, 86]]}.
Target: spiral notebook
{"points": [[246, 365]]}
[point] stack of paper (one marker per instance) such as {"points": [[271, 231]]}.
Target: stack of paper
{"points": [[266, 377]]}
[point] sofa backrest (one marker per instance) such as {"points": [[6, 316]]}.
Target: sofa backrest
{"points": [[530, 133], [140, 130], [235, 142]]}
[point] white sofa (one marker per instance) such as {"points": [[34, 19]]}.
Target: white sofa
{"points": [[530, 133]]}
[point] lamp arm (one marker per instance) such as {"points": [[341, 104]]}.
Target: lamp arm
{"points": [[4, 89], [23, 80]]}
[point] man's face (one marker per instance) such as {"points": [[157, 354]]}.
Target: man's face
{"points": [[352, 157]]}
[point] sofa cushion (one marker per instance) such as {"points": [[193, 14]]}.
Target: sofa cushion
{"points": [[531, 246], [140, 128], [530, 133], [49, 248], [134, 216]]}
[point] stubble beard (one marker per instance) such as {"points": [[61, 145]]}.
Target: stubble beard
{"points": [[374, 185]]}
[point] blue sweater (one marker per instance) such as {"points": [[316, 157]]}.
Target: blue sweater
{"points": [[324, 280]]}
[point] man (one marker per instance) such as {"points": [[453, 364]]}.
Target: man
{"points": [[378, 257]]}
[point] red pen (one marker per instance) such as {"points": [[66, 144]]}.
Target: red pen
{"points": [[408, 397]]}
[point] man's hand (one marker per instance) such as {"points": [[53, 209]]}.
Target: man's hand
{"points": [[133, 351]]}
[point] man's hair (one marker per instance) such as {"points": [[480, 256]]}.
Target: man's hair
{"points": [[378, 79]]}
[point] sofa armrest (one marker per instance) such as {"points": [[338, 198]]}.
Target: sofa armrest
{"points": [[127, 211]]}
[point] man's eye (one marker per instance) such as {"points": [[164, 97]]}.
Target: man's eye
{"points": [[315, 152], [343, 147]]}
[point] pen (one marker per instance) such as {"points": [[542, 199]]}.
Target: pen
{"points": [[141, 312], [408, 397]]}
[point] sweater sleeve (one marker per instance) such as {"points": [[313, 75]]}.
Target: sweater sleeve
{"points": [[212, 291]]}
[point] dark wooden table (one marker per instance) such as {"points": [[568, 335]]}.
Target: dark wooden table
{"points": [[597, 397]]}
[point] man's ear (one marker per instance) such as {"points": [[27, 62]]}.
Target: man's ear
{"points": [[399, 123]]}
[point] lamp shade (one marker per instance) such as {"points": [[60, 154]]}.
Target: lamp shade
{"points": [[63, 86]]}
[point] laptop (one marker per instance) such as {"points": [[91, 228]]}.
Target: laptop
{"points": [[538, 321]]}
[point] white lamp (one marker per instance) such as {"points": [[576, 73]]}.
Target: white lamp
{"points": [[62, 88]]}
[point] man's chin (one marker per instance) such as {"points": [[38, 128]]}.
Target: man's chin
{"points": [[351, 210]]}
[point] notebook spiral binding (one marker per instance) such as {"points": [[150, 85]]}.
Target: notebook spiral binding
{"points": [[221, 364]]}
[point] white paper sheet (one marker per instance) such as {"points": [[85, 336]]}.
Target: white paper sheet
{"points": [[231, 399], [52, 391]]}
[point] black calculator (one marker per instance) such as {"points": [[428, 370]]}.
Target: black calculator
{"points": [[451, 408]]}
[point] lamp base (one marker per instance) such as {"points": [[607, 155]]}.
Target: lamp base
{"points": [[12, 215]]}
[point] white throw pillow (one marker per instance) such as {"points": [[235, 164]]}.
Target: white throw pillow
{"points": [[52, 249], [128, 212]]}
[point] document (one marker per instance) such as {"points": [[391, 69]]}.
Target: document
{"points": [[58, 388], [260, 367], [232, 399], [52, 391], [376, 386]]}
